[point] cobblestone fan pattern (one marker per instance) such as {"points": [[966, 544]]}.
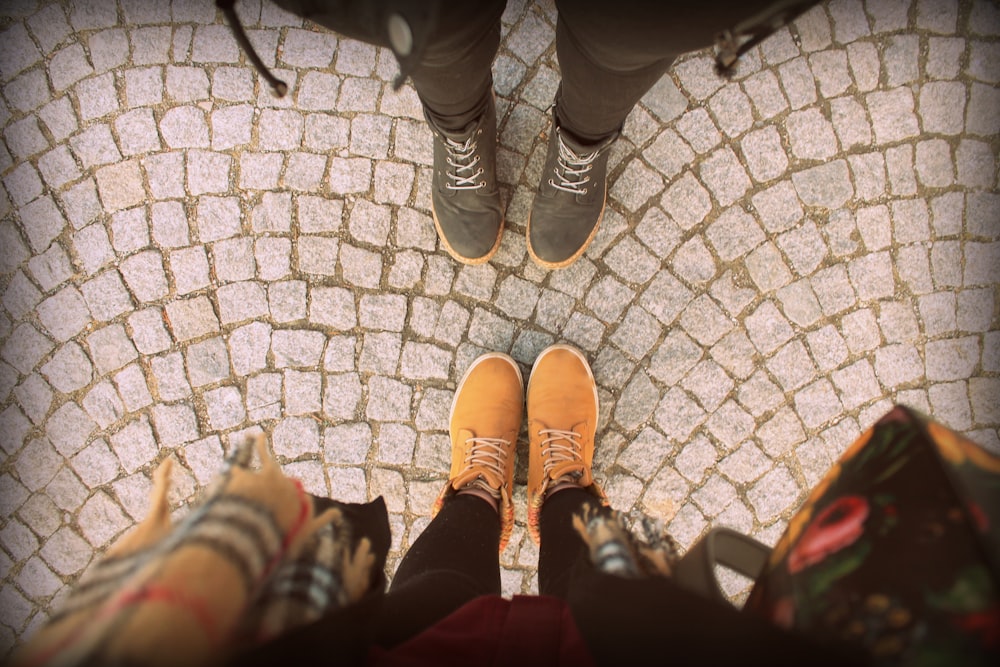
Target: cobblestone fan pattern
{"points": [[186, 259]]}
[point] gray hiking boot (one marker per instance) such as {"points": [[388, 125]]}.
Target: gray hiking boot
{"points": [[570, 200], [465, 199]]}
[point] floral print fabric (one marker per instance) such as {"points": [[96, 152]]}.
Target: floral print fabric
{"points": [[896, 549]]}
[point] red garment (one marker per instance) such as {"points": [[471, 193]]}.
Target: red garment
{"points": [[489, 630]]}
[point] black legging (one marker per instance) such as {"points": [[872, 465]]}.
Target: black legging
{"points": [[455, 560], [622, 620]]}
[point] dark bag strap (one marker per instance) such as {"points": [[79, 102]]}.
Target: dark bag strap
{"points": [[228, 7], [733, 43], [725, 547]]}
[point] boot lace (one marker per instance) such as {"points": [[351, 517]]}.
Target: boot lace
{"points": [[463, 158], [560, 447], [488, 453], [571, 169]]}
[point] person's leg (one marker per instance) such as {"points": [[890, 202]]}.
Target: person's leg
{"points": [[609, 58], [456, 558], [453, 561], [454, 79], [624, 621], [592, 118], [562, 552], [610, 55], [627, 620], [562, 409], [455, 42]]}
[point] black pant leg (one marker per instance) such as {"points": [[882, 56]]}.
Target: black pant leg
{"points": [[453, 561], [652, 620], [562, 553], [629, 621]]}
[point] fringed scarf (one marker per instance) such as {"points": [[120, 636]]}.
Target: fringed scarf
{"points": [[250, 562]]}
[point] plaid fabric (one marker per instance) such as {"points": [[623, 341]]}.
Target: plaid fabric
{"points": [[252, 561], [326, 575], [628, 546]]}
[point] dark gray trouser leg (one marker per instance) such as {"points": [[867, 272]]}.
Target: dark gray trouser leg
{"points": [[611, 54]]}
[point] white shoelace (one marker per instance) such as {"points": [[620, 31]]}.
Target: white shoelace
{"points": [[574, 168], [555, 451], [463, 157], [489, 453]]}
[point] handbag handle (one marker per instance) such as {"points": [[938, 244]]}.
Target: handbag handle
{"points": [[725, 547]]}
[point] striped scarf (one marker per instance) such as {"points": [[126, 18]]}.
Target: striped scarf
{"points": [[250, 562]]}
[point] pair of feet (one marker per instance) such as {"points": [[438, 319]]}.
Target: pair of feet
{"points": [[465, 196], [485, 421]]}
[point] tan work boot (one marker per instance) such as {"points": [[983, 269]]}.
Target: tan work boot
{"points": [[562, 422], [484, 423]]}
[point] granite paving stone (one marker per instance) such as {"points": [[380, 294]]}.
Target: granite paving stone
{"points": [[37, 463], [263, 396], [698, 129], [68, 428], [234, 259], [68, 369], [174, 424], [129, 230], [302, 391], [951, 401], [225, 408], [110, 348], [64, 314], [187, 260], [103, 404], [51, 268], [693, 262], [207, 362], [791, 366], [810, 135], [186, 84], [66, 552], [25, 139], [66, 490], [974, 308], [169, 377], [92, 248], [388, 399], [898, 322], [35, 397], [638, 332]]}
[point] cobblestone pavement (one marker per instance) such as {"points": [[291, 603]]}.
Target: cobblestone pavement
{"points": [[187, 259]]}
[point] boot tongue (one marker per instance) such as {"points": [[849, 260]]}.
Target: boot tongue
{"points": [[574, 470], [581, 148], [461, 135], [471, 474]]}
